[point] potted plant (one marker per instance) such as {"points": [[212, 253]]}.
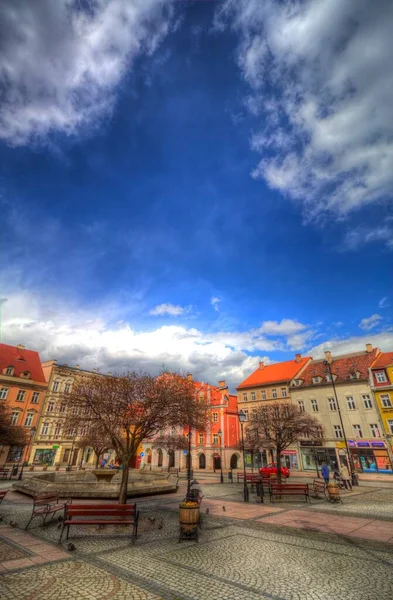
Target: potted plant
{"points": [[189, 518]]}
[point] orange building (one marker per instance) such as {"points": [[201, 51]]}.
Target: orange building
{"points": [[22, 387]]}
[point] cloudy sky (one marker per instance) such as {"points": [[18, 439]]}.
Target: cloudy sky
{"points": [[195, 184]]}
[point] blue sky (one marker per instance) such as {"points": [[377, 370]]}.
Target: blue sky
{"points": [[196, 184]]}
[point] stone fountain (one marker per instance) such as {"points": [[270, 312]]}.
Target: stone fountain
{"points": [[99, 483]]}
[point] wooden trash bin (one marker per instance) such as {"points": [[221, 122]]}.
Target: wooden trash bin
{"points": [[333, 492], [189, 518]]}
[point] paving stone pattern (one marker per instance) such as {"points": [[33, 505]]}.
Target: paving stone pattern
{"points": [[10, 551]]}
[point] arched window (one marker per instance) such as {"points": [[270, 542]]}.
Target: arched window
{"points": [[234, 461], [160, 457], [202, 461]]}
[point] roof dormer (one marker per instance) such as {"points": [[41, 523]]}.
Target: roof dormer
{"points": [[25, 375], [9, 370], [316, 379]]}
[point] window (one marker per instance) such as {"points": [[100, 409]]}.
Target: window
{"points": [[274, 393], [201, 438], [375, 430], [315, 379], [67, 388], [3, 393], [358, 431], [62, 408], [45, 429], [301, 405], [75, 411], [51, 406], [21, 396], [390, 425], [215, 438], [338, 431], [57, 429], [215, 417], [284, 392], [353, 375], [332, 404], [29, 419], [367, 401], [245, 397], [314, 405], [386, 401], [351, 403], [263, 395], [246, 413], [252, 395], [35, 398], [380, 376], [9, 371], [14, 417], [296, 382], [56, 385], [329, 377]]}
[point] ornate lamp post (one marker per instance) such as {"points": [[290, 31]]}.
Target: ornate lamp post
{"points": [[189, 435], [32, 433], [242, 418], [350, 462], [220, 438]]}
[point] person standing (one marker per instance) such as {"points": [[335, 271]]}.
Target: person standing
{"points": [[325, 472], [345, 476]]}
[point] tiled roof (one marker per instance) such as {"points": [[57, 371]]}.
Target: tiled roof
{"points": [[274, 373], [341, 367], [22, 360], [216, 395], [384, 360]]}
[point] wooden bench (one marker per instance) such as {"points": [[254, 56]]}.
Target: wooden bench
{"points": [[289, 489], [250, 477], [319, 487], [3, 494], [4, 473], [46, 504], [101, 514]]}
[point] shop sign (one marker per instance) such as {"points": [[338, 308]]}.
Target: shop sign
{"points": [[378, 444], [352, 443], [342, 452], [55, 446], [363, 444], [308, 443], [288, 452]]}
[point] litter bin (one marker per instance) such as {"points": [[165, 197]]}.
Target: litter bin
{"points": [[230, 476], [14, 470], [260, 491]]}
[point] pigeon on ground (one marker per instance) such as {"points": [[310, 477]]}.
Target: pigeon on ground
{"points": [[152, 519], [70, 547], [224, 509], [160, 524], [207, 511]]}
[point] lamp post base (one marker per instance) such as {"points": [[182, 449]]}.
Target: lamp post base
{"points": [[246, 494]]}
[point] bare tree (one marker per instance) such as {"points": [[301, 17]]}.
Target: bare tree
{"points": [[10, 435], [278, 425], [171, 443], [129, 408]]}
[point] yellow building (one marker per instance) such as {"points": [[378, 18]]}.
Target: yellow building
{"points": [[382, 386]]}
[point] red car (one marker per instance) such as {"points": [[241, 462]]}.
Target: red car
{"points": [[271, 469]]}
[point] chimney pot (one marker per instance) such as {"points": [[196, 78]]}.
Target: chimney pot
{"points": [[221, 384], [189, 376], [369, 347], [328, 355], [261, 364], [298, 357], [20, 347]]}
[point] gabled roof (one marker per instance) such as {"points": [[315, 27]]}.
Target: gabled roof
{"points": [[22, 360], [274, 373], [384, 360], [341, 367]]}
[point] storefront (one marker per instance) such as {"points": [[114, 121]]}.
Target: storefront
{"points": [[44, 456], [314, 456], [289, 459], [370, 456]]}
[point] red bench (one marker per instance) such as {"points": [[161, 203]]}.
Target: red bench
{"points": [[4, 473], [101, 514], [46, 504], [289, 489], [250, 477]]}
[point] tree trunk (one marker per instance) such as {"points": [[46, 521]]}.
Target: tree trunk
{"points": [[124, 482], [278, 450]]}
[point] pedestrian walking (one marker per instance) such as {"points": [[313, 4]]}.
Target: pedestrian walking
{"points": [[345, 476], [325, 472]]}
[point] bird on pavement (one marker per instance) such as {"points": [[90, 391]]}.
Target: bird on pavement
{"points": [[224, 509]]}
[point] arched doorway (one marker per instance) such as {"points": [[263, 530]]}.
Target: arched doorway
{"points": [[171, 459], [216, 462], [234, 461], [202, 461], [160, 457], [149, 455]]}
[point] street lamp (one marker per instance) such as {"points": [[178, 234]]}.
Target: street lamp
{"points": [[32, 433], [189, 435], [350, 462], [242, 418], [220, 438]]}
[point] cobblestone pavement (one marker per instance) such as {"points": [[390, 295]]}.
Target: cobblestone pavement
{"points": [[235, 559], [10, 551]]}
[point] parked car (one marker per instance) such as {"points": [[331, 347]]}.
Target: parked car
{"points": [[271, 469]]}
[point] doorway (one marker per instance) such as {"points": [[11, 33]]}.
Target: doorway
{"points": [[234, 461], [160, 458], [217, 462], [202, 461], [171, 455]]}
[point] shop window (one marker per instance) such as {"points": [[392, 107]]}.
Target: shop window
{"points": [[252, 395], [358, 431], [386, 401], [21, 396], [284, 392], [380, 376], [314, 405], [3, 393], [29, 419], [375, 430], [338, 431], [35, 398], [367, 401], [274, 393], [351, 403], [332, 404], [301, 405]]}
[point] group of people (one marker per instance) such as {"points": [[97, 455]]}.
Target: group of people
{"points": [[340, 475]]}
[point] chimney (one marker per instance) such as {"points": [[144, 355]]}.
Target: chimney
{"points": [[189, 376], [298, 357], [221, 384], [261, 364], [76, 367], [20, 347], [369, 348], [328, 356]]}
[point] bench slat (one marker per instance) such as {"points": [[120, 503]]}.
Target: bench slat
{"points": [[97, 513]]}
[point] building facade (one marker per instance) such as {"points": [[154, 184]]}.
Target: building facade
{"points": [[54, 443], [381, 380], [22, 388], [267, 384], [209, 449], [313, 392]]}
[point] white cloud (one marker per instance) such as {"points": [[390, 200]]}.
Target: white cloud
{"points": [[285, 327], [173, 310], [62, 61], [370, 322], [384, 302], [321, 79], [215, 302], [384, 341], [363, 235]]}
